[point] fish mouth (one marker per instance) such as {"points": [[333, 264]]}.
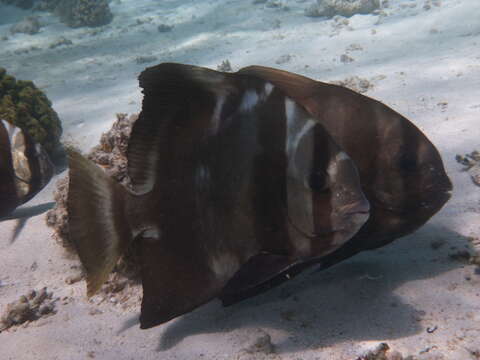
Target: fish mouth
{"points": [[312, 235], [358, 212], [359, 207], [433, 199]]}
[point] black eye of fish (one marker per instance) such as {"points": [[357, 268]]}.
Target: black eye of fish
{"points": [[318, 181], [408, 162]]}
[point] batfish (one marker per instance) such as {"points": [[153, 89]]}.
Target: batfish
{"points": [[25, 168], [401, 171], [226, 172]]}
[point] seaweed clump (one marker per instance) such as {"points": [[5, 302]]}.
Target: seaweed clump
{"points": [[347, 8], [23, 4], [111, 155], [78, 13], [27, 107], [46, 5], [30, 25]]}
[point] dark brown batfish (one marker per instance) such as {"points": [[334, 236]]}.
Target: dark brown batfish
{"points": [[401, 171], [25, 168], [227, 172]]}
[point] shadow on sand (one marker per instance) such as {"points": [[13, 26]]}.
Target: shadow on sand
{"points": [[22, 214], [352, 301]]}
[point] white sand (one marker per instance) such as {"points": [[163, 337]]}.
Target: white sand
{"points": [[392, 295]]}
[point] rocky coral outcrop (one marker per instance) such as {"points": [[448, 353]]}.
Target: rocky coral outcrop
{"points": [[354, 83], [347, 8], [30, 25], [78, 13], [46, 5], [23, 4], [110, 154], [472, 165], [382, 352], [29, 307]]}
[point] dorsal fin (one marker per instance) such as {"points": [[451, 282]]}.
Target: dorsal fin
{"points": [[297, 87], [168, 89]]}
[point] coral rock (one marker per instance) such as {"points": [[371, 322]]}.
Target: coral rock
{"points": [[23, 4], [30, 25], [28, 308], [331, 8], [110, 154], [78, 13]]}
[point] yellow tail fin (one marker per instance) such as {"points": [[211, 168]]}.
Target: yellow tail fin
{"points": [[96, 215]]}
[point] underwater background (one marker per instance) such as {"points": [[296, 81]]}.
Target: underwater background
{"points": [[420, 57]]}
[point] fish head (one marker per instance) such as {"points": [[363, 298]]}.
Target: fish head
{"points": [[31, 166], [324, 195], [411, 183], [401, 172], [19, 147]]}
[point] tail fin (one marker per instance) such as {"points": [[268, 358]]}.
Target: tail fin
{"points": [[96, 215]]}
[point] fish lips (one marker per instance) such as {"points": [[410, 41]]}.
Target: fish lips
{"points": [[348, 221]]}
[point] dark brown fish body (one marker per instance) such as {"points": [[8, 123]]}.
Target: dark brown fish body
{"points": [[25, 168], [227, 172], [401, 171]]}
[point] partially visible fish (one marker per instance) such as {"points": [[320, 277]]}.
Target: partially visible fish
{"points": [[401, 171], [25, 168], [230, 178]]}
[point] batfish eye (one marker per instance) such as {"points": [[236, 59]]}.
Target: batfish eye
{"points": [[318, 181], [408, 161]]}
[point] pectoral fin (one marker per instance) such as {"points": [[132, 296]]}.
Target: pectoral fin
{"points": [[261, 273]]}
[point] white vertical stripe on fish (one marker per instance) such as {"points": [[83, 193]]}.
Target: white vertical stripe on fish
{"points": [[299, 199], [217, 111], [268, 89], [12, 131], [249, 100], [296, 129], [202, 176], [20, 163]]}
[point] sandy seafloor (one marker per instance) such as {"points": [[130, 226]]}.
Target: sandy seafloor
{"points": [[423, 63]]}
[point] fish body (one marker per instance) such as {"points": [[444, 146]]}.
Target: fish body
{"points": [[230, 177], [401, 172], [25, 168]]}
